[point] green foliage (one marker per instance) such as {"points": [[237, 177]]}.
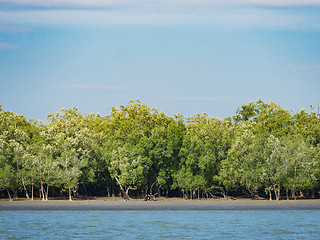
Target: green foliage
{"points": [[7, 175], [263, 149], [205, 145]]}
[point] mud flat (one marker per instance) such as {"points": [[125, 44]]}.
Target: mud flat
{"points": [[159, 205]]}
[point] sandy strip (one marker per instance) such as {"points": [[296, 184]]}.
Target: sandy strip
{"points": [[164, 204]]}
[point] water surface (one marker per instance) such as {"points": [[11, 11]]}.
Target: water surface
{"points": [[249, 224]]}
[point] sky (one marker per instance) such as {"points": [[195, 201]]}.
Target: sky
{"points": [[180, 56]]}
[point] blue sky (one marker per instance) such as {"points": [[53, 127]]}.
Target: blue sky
{"points": [[180, 56]]}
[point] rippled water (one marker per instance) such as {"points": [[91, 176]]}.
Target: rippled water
{"points": [[160, 224]]}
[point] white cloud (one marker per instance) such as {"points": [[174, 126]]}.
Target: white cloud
{"points": [[230, 18], [6, 46], [90, 87]]}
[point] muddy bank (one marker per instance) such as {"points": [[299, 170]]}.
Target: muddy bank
{"points": [[162, 204]]}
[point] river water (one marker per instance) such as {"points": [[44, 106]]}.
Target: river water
{"points": [[243, 224]]}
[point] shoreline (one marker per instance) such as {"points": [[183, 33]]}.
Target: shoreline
{"points": [[116, 204]]}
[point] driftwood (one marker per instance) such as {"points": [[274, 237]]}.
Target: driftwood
{"points": [[223, 195], [150, 197]]}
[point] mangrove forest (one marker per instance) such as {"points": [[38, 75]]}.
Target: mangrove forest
{"points": [[263, 151]]}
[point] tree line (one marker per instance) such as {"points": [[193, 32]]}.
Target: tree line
{"points": [[262, 151]]}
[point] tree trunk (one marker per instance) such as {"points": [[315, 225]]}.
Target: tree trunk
{"points": [[42, 191], [287, 193], [276, 193], [198, 193], [108, 191], [125, 193], [47, 193], [15, 193], [32, 190], [293, 193], [44, 197], [152, 187], [70, 198], [313, 194], [301, 195], [25, 189], [270, 195], [10, 199], [279, 193], [156, 177], [223, 193]]}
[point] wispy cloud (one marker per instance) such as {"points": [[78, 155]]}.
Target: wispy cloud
{"points": [[221, 13], [224, 17], [7, 46], [91, 87]]}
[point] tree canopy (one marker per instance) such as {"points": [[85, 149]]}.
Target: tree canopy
{"points": [[261, 151]]}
